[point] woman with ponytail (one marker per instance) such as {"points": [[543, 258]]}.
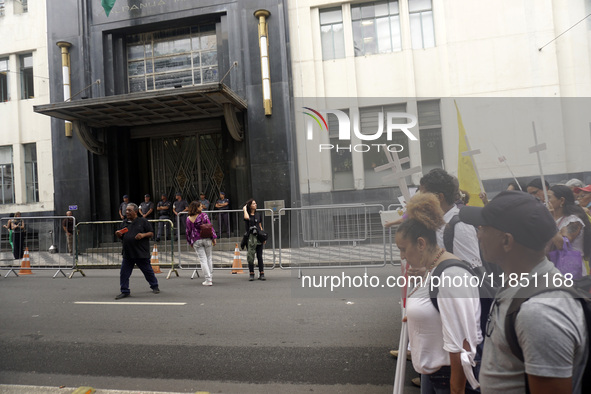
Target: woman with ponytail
{"points": [[443, 342]]}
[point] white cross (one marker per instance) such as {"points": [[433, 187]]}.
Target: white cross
{"points": [[471, 153], [537, 148], [398, 174]]}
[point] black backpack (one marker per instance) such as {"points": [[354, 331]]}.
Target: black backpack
{"points": [[486, 291], [579, 291], [489, 268]]}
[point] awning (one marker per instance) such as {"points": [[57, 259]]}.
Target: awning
{"points": [[152, 107]]}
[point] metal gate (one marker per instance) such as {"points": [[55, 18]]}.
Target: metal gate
{"points": [[188, 164]]}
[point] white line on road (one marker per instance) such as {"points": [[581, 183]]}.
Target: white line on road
{"points": [[130, 303]]}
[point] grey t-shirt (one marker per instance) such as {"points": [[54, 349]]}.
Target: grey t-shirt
{"points": [[551, 331]]}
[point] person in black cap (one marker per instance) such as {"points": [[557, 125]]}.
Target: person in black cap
{"points": [[223, 204], [147, 207], [122, 206], [163, 209], [514, 231], [180, 205]]}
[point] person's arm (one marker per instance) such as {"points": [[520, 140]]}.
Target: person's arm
{"points": [[457, 380], [544, 385], [150, 210], [149, 234], [246, 216], [572, 230]]}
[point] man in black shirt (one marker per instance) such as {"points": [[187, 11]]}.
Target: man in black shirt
{"points": [[135, 234]]}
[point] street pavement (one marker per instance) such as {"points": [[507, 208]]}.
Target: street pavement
{"points": [[234, 337]]}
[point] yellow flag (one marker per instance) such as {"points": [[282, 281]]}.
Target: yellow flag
{"points": [[467, 174]]}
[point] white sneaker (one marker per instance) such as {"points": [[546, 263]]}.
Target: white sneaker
{"points": [[207, 283]]}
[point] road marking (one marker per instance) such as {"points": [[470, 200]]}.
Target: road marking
{"points": [[129, 303]]}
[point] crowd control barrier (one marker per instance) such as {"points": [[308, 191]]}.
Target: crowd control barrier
{"points": [[41, 242], [332, 236]]}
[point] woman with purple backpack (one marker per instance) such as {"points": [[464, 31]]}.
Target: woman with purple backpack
{"points": [[201, 236]]}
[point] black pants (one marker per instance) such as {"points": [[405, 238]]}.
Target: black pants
{"points": [[17, 243]]}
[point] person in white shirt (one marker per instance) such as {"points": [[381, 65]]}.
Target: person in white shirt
{"points": [[444, 186], [443, 343]]}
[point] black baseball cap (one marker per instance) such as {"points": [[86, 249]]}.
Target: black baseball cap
{"points": [[147, 195], [125, 196], [517, 213]]}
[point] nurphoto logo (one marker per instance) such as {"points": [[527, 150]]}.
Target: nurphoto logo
{"points": [[392, 125]]}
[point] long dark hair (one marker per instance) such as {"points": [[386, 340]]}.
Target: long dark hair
{"points": [[570, 208], [249, 204]]}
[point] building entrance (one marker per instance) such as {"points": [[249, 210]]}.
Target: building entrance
{"points": [[189, 165]]}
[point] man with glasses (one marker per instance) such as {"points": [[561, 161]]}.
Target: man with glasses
{"points": [[550, 328]]}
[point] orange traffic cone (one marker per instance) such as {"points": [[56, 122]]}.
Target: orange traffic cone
{"points": [[237, 264], [26, 264], [154, 260]]}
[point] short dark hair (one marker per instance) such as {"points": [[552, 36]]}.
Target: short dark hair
{"points": [[537, 183], [439, 181]]}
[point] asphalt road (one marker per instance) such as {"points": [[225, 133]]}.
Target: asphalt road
{"points": [[234, 337]]}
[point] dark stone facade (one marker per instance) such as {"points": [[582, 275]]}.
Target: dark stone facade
{"points": [[262, 166]]}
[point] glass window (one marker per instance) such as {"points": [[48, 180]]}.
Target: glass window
{"points": [[171, 58], [21, 6], [341, 159], [331, 34], [430, 135], [376, 28], [6, 175], [369, 123], [32, 181], [3, 79], [27, 85], [422, 31]]}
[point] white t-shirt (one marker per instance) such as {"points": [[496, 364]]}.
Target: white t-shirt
{"points": [[465, 239], [433, 335]]}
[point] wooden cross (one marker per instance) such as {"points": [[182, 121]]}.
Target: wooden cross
{"points": [[398, 174], [537, 148], [471, 153]]}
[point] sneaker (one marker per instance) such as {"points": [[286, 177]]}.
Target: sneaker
{"points": [[416, 381], [251, 278], [262, 276], [122, 295], [156, 290], [395, 354], [207, 283]]}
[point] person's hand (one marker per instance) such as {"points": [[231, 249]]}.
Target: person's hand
{"points": [[139, 236], [119, 233], [213, 242], [483, 197]]}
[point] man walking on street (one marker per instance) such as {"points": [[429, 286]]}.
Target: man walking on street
{"points": [[548, 328], [135, 234]]}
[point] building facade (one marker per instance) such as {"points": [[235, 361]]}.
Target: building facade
{"points": [[504, 64], [26, 169], [168, 96]]}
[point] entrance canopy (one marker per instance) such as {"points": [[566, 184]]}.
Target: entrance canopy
{"points": [[151, 107]]}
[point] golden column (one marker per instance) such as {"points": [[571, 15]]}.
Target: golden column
{"points": [[65, 46], [262, 15]]}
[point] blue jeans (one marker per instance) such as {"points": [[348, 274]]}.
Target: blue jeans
{"points": [[127, 267], [439, 383]]}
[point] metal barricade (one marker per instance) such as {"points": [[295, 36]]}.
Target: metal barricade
{"points": [[37, 242], [333, 236], [394, 252], [227, 241], [98, 246]]}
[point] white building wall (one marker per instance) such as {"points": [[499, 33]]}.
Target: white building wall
{"points": [[482, 49], [19, 125]]}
